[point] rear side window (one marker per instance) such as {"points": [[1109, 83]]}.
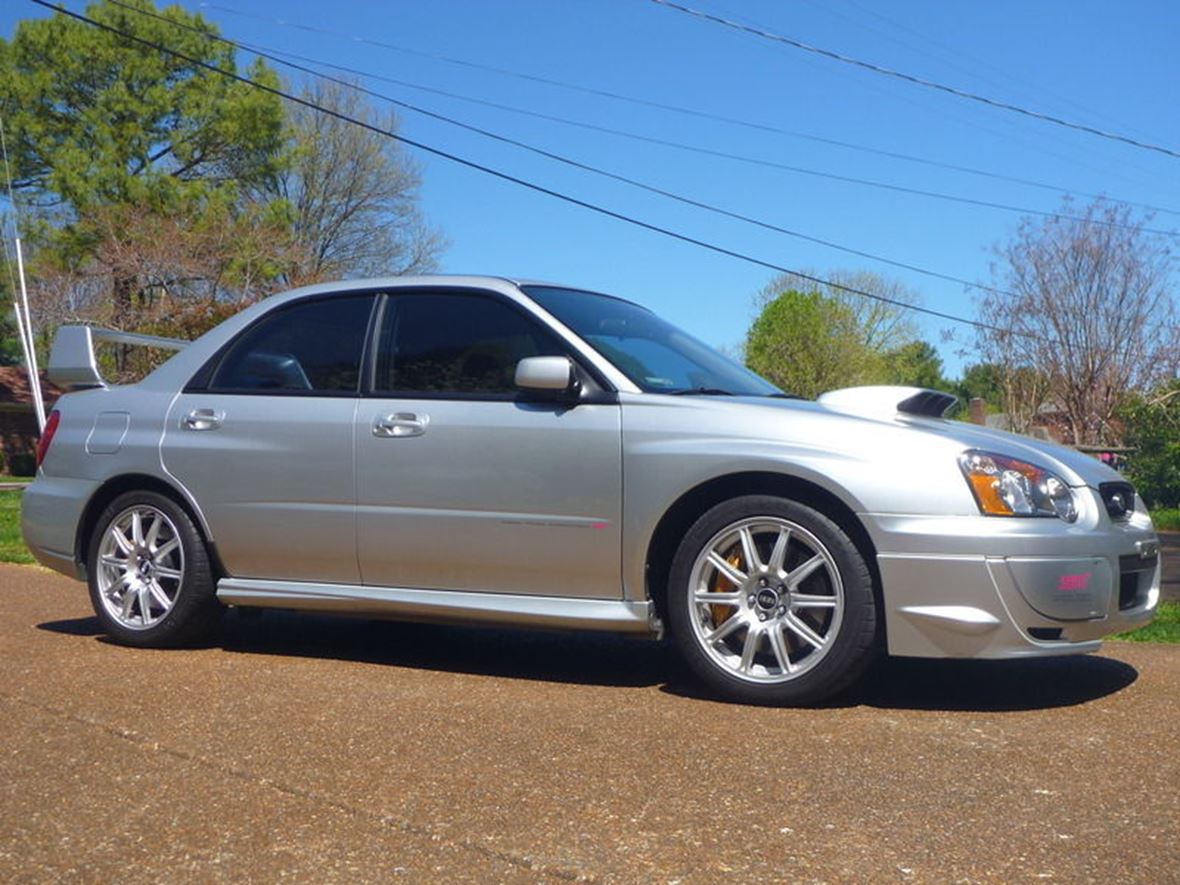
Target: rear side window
{"points": [[313, 347], [464, 344]]}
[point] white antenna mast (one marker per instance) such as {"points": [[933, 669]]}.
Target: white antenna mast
{"points": [[24, 323]]}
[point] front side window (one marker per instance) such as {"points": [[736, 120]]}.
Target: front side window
{"points": [[456, 343], [312, 347]]}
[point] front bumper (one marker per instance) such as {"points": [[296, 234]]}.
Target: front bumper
{"points": [[984, 587]]}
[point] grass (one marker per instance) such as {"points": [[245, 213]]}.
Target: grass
{"points": [[1167, 519], [1165, 627], [12, 546]]}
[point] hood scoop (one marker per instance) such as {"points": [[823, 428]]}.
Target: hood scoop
{"points": [[887, 401]]}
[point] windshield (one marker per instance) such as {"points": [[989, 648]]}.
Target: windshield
{"points": [[653, 353]]}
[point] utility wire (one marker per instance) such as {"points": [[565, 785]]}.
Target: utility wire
{"points": [[280, 56], [565, 160], [642, 102], [919, 81], [504, 176]]}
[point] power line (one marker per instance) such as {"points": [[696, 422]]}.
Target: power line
{"points": [[919, 81], [504, 176], [279, 56], [642, 102], [688, 201]]}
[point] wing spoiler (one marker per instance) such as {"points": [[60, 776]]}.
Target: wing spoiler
{"points": [[73, 364], [887, 400]]}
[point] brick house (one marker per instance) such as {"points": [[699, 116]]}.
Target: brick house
{"points": [[18, 421]]}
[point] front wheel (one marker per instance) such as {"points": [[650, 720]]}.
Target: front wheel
{"points": [[770, 602], [150, 579]]}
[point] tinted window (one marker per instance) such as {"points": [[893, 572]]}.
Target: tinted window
{"points": [[312, 347], [465, 344]]}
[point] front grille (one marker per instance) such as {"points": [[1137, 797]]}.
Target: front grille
{"points": [[1119, 498]]}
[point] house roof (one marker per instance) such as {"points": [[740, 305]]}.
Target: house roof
{"points": [[14, 387]]}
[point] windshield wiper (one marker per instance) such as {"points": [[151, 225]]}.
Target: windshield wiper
{"points": [[699, 391], [785, 396]]}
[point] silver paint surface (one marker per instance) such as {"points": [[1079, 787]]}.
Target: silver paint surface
{"points": [[494, 502]]}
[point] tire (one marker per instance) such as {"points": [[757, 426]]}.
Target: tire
{"points": [[770, 602], [150, 580]]}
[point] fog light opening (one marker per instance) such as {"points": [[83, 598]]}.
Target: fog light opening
{"points": [[1045, 634]]}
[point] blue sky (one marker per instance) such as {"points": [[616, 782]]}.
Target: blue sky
{"points": [[1113, 66]]}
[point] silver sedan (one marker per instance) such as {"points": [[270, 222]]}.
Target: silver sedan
{"points": [[481, 450]]}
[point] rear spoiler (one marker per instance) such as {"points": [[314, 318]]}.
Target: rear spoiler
{"points": [[73, 364]]}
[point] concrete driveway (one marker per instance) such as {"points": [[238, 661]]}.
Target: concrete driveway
{"points": [[346, 750]]}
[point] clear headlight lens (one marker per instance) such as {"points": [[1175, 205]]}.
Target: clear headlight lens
{"points": [[1005, 486]]}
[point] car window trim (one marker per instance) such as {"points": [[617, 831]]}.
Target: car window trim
{"points": [[210, 367], [596, 388]]}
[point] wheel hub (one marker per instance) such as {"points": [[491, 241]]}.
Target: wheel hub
{"points": [[767, 598]]}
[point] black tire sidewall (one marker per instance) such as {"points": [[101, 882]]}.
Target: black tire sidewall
{"points": [[196, 607], [855, 643]]}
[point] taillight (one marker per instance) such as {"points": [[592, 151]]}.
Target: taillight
{"points": [[47, 435]]}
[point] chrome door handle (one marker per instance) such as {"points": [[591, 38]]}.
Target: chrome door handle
{"points": [[400, 424], [203, 419]]}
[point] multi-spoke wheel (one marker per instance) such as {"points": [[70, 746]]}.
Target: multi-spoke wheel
{"points": [[149, 573], [771, 602]]}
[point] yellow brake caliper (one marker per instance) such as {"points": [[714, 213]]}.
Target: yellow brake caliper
{"points": [[721, 584]]}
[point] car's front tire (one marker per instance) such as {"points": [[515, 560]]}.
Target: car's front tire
{"points": [[770, 602], [150, 578]]}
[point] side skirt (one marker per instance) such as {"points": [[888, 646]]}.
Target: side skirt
{"points": [[443, 605]]}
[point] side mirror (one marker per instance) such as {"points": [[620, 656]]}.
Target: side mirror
{"points": [[552, 374]]}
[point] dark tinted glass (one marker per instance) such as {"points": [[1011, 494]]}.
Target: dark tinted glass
{"points": [[313, 347], [466, 344]]}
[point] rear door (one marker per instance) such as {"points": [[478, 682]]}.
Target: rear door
{"points": [[465, 484], [263, 441]]}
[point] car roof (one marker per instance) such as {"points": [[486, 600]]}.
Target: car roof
{"points": [[481, 281]]}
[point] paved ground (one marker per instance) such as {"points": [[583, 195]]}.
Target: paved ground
{"points": [[345, 750]]}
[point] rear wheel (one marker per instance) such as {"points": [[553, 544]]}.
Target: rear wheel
{"points": [[770, 602], [150, 579]]}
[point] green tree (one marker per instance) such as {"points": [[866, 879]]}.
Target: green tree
{"points": [[808, 338], [983, 381], [916, 364], [806, 343], [99, 125], [1152, 425], [94, 118]]}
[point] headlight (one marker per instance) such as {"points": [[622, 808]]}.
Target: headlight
{"points": [[1005, 486]]}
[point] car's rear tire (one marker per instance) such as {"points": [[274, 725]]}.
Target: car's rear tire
{"points": [[150, 578], [770, 602]]}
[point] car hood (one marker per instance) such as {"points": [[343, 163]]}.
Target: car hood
{"points": [[880, 406]]}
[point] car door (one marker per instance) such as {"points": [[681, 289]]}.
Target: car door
{"points": [[463, 482], [262, 439]]}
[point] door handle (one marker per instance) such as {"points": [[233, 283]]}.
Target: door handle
{"points": [[203, 419], [400, 424]]}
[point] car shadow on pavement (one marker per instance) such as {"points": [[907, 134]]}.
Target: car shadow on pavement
{"points": [[545, 655], [612, 660], [73, 626], [1024, 684], [971, 686]]}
